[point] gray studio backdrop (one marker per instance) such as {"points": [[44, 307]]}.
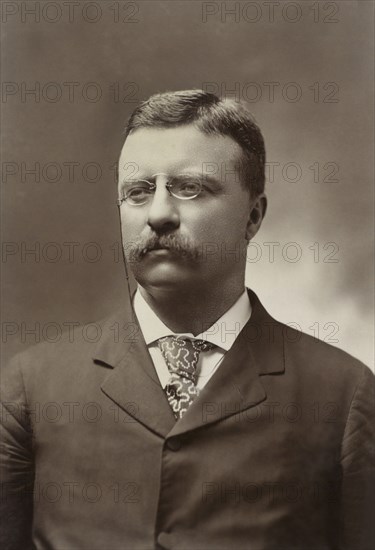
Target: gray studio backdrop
{"points": [[73, 71]]}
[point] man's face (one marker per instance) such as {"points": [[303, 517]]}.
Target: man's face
{"points": [[174, 243]]}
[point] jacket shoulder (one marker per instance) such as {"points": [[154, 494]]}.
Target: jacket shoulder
{"points": [[320, 363], [58, 356]]}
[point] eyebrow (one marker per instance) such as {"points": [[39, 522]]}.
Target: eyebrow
{"points": [[203, 178]]}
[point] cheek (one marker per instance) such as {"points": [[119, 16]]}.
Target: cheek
{"points": [[236, 215], [220, 224], [131, 225]]}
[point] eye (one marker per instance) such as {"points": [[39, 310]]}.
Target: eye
{"points": [[138, 195], [187, 189]]}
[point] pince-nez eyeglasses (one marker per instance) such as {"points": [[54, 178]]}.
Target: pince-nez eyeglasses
{"points": [[139, 192]]}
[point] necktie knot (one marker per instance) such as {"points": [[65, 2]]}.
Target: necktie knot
{"points": [[181, 355]]}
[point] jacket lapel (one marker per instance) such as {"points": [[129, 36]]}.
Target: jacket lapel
{"points": [[135, 387], [236, 386], [133, 384]]}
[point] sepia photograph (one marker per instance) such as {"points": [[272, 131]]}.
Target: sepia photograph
{"points": [[187, 260]]}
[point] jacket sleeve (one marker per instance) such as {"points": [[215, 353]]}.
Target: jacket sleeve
{"points": [[357, 528], [16, 462]]}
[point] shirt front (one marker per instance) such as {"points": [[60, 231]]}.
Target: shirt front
{"points": [[222, 334]]}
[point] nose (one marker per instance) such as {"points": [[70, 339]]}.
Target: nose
{"points": [[163, 214]]}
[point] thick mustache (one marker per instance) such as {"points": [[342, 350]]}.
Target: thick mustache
{"points": [[178, 245]]}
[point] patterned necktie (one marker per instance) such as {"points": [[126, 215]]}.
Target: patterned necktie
{"points": [[181, 355]]}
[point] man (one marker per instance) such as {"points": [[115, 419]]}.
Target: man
{"points": [[197, 421]]}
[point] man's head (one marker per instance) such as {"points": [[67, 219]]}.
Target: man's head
{"points": [[212, 116], [191, 182]]}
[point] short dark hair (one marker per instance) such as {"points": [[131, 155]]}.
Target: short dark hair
{"points": [[211, 115]]}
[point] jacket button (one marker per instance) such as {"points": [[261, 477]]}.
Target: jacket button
{"points": [[174, 444], [163, 542]]}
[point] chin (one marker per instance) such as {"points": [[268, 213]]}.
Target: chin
{"points": [[164, 276]]}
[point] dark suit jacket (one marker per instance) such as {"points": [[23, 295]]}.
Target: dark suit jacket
{"points": [[275, 453]]}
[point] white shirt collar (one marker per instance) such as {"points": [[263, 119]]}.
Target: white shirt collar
{"points": [[222, 333]]}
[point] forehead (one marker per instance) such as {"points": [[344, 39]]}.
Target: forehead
{"points": [[172, 150]]}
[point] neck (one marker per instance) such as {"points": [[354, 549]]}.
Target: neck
{"points": [[192, 310]]}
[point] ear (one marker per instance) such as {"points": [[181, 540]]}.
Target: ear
{"points": [[258, 207]]}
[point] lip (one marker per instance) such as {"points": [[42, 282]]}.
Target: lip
{"points": [[158, 251]]}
